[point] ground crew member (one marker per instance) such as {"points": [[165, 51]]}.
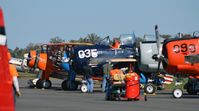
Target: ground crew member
{"points": [[106, 68], [13, 76], [88, 75], [116, 45], [112, 73], [160, 78], [115, 71]]}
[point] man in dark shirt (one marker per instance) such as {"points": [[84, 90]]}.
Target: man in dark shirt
{"points": [[88, 75], [106, 69]]}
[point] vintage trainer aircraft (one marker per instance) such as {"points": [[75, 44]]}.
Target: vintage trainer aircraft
{"points": [[51, 58], [180, 56], [150, 67], [71, 58], [98, 54]]}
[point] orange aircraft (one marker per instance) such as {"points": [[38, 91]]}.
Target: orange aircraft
{"points": [[180, 56], [50, 59]]}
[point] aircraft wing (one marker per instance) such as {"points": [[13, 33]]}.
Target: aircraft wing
{"points": [[65, 44]]}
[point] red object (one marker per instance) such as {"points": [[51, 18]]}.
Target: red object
{"points": [[156, 27], [6, 90], [132, 86], [1, 18]]}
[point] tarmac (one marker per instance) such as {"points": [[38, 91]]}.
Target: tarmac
{"points": [[55, 99]]}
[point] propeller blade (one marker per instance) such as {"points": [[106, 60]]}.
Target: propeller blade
{"points": [[157, 40]]}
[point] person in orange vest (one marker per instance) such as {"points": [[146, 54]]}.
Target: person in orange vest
{"points": [[14, 82], [115, 71], [112, 73], [116, 45]]}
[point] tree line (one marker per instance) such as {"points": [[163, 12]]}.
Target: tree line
{"points": [[90, 38], [19, 52]]}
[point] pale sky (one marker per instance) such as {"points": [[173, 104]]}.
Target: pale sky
{"points": [[37, 21]]}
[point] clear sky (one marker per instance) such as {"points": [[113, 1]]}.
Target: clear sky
{"points": [[37, 21]]}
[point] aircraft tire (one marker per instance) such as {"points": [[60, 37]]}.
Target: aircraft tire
{"points": [[177, 93], [149, 88], [83, 88], [46, 84], [43, 84], [38, 84], [67, 86]]}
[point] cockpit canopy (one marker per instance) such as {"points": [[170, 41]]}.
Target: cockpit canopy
{"points": [[126, 40], [196, 34], [105, 41]]}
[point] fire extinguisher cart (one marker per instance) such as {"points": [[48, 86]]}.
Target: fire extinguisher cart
{"points": [[123, 87]]}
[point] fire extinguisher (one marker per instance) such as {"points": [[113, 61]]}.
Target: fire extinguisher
{"points": [[132, 86]]}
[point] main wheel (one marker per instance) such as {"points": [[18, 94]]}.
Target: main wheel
{"points": [[43, 84], [38, 83], [46, 84], [83, 88], [69, 85], [177, 93], [149, 88]]}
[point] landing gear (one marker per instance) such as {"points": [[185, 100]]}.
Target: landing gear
{"points": [[177, 93], [191, 86], [149, 88], [69, 85], [84, 88], [43, 84], [32, 82]]}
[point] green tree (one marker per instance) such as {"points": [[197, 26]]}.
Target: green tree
{"points": [[90, 38], [138, 40], [165, 35], [56, 40], [17, 53], [186, 35], [31, 46], [93, 38]]}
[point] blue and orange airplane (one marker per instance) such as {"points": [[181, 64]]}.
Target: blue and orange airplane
{"points": [[70, 57]]}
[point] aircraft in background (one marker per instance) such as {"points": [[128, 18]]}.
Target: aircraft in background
{"points": [[150, 67], [180, 56], [17, 63]]}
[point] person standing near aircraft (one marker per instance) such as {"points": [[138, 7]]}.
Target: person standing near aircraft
{"points": [[106, 68], [88, 75], [13, 76]]}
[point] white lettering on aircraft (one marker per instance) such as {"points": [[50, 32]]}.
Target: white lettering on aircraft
{"points": [[87, 53]]}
